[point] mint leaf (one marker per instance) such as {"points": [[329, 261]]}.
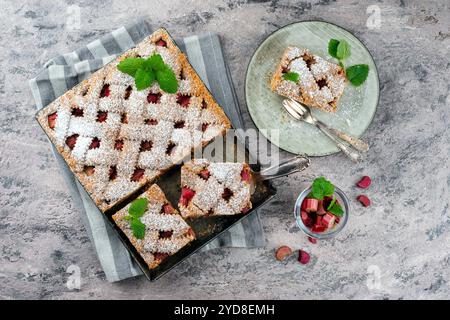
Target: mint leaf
{"points": [[332, 47], [357, 74], [343, 50], [138, 228], [291, 76], [322, 188], [333, 201], [156, 62], [167, 80], [130, 65], [138, 207], [144, 78], [336, 209]]}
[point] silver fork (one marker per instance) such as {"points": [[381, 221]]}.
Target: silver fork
{"points": [[303, 114]]}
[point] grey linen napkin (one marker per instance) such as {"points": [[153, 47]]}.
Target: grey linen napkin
{"points": [[65, 71]]}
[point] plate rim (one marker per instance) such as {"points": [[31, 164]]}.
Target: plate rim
{"points": [[252, 61]]}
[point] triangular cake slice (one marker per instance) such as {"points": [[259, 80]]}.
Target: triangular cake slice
{"points": [[214, 189]]}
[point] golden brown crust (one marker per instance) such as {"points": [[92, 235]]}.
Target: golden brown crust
{"points": [[200, 90]]}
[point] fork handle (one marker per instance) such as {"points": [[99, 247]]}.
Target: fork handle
{"points": [[352, 154], [355, 142]]}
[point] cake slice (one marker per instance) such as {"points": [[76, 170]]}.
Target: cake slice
{"points": [[214, 189], [165, 230], [116, 138], [319, 83]]}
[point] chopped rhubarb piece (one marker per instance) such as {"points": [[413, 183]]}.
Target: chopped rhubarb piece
{"points": [[204, 127], [186, 195], [303, 257], [328, 220], [183, 100], [165, 234], [307, 220], [318, 220], [51, 118], [365, 201], [312, 240], [245, 175], [89, 170], [168, 209], [161, 43], [137, 174], [320, 208], [364, 183], [105, 91], [112, 173], [160, 255], [153, 97], [101, 116], [146, 146], [204, 174], [77, 112], [245, 209], [70, 141], [337, 220], [227, 194], [118, 145], [95, 143], [282, 253], [318, 228], [311, 205]]}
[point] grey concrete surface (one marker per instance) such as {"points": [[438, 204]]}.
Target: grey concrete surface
{"points": [[398, 248]]}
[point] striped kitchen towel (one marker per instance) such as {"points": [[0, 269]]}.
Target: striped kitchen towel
{"points": [[65, 71]]}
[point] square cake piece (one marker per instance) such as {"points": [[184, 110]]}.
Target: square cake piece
{"points": [[320, 83], [165, 230], [116, 138], [213, 189]]}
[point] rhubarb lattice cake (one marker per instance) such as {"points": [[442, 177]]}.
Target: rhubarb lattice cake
{"points": [[213, 189], [314, 81], [165, 230], [116, 138]]}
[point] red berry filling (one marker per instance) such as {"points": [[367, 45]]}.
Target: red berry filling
{"points": [[151, 122], [89, 170], [160, 255], [179, 124], [245, 175], [137, 175], [165, 234], [124, 118], [154, 97], [146, 146], [51, 118], [245, 209], [186, 195], [365, 182], [77, 112], [227, 194], [204, 127], [204, 104], [71, 141], [112, 173], [170, 148], [105, 91], [118, 145], [183, 100], [161, 43], [303, 257], [95, 143], [101, 116], [168, 209], [204, 174], [127, 94]]}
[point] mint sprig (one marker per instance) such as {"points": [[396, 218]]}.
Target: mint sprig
{"points": [[135, 212], [291, 76], [322, 188], [340, 49], [146, 71], [335, 208]]}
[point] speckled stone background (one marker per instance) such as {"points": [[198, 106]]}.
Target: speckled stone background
{"points": [[397, 248]]}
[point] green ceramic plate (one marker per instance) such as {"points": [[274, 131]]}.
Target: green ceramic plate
{"points": [[356, 107]]}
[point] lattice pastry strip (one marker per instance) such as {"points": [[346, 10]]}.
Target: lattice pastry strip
{"points": [[321, 83], [213, 189], [117, 139], [165, 233]]}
